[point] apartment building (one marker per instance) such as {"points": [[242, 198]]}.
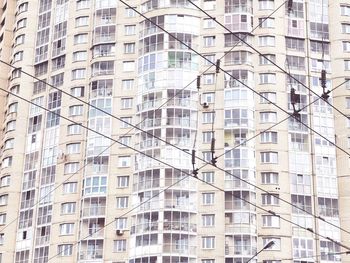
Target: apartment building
{"points": [[124, 142]]}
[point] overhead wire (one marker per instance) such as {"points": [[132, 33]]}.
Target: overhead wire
{"points": [[221, 69], [169, 165], [254, 91], [257, 51], [139, 123]]}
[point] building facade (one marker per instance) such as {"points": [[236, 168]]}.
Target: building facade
{"points": [[104, 112]]}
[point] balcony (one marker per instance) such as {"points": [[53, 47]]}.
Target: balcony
{"points": [[103, 38], [179, 226], [180, 141], [91, 254], [245, 250], [179, 248], [147, 184], [142, 228], [182, 103], [93, 211], [149, 143], [150, 104], [181, 121], [180, 204], [151, 123], [240, 229]]}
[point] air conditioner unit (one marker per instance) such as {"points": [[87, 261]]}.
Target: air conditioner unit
{"points": [[119, 232]]}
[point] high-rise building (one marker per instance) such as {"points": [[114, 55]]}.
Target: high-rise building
{"points": [[107, 112]]}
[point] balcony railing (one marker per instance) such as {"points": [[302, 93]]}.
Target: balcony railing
{"points": [[91, 254], [147, 184], [246, 250], [94, 211], [179, 248], [179, 226], [141, 228], [179, 204]]}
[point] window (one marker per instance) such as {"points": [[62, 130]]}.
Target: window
{"points": [[269, 157], [208, 97], [70, 188], [129, 12], [22, 23], [208, 220], [208, 242], [73, 129], [329, 251], [345, 28], [16, 73], [22, 8], [125, 122], [207, 156], [75, 110], [125, 140], [128, 65], [3, 199], [123, 181], [270, 199], [58, 63], [208, 79], [10, 126], [65, 250], [208, 176], [122, 202], [267, 41], [78, 73], [271, 221], [208, 117], [303, 248], [208, 59], [303, 202], [127, 84], [295, 62], [18, 56], [208, 198], [265, 96], [79, 56], [119, 245], [70, 168], [268, 137], [129, 48], [268, 22], [95, 185], [346, 46], [347, 64], [13, 107], [2, 219], [208, 260], [209, 41], [6, 162], [66, 229], [19, 40], [268, 117], [77, 91], [269, 178], [277, 243], [126, 103], [267, 78], [121, 223], [295, 44], [15, 89], [208, 23], [207, 136], [130, 30], [124, 161], [319, 47], [68, 208], [328, 207], [72, 148], [345, 10], [266, 4], [80, 39], [347, 102], [81, 21], [2, 235], [267, 58], [9, 144], [83, 4], [5, 180]]}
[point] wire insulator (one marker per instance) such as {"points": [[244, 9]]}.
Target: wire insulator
{"points": [[323, 79], [217, 66], [212, 146], [290, 5], [193, 157], [198, 82]]}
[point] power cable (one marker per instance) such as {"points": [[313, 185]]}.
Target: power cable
{"points": [[181, 170], [139, 123], [257, 51], [311, 129]]}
